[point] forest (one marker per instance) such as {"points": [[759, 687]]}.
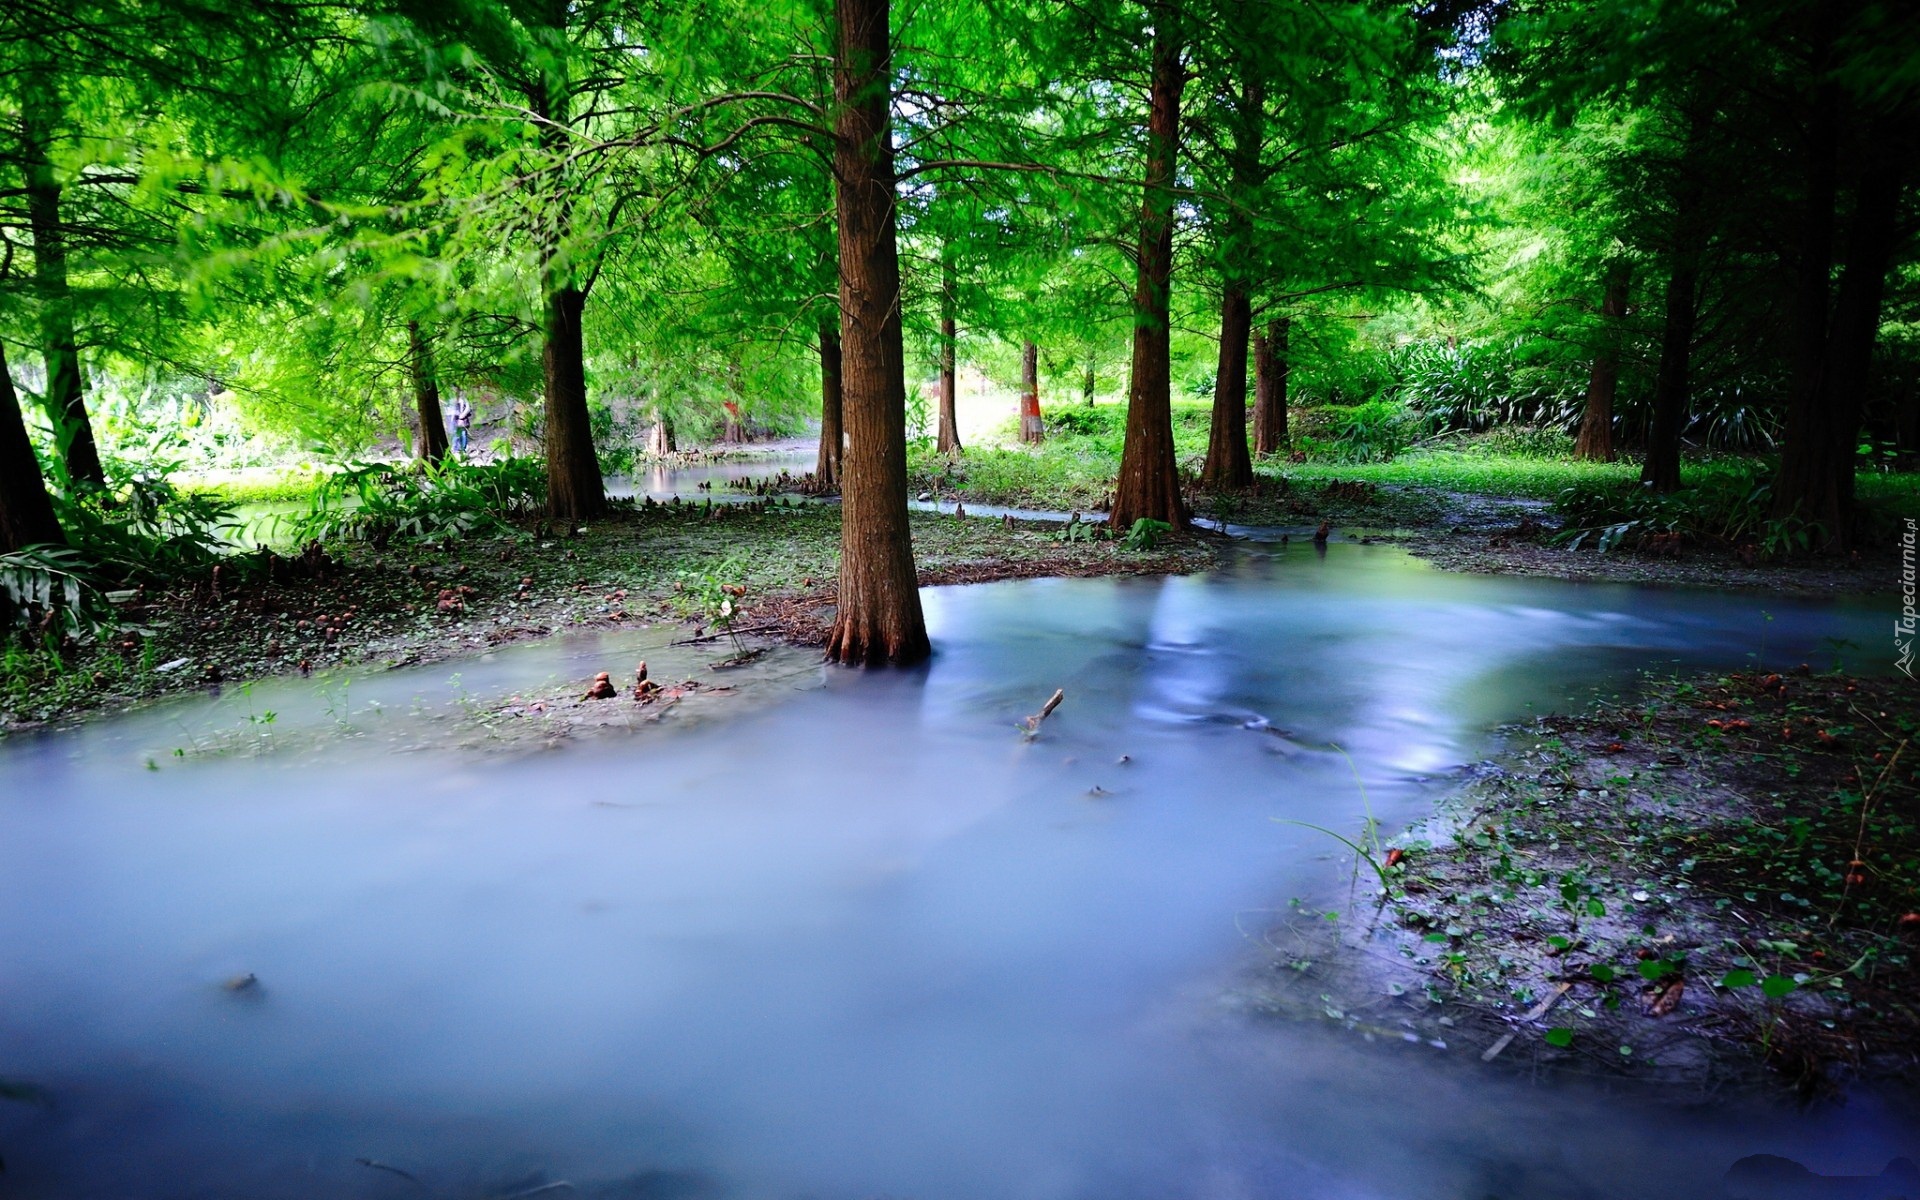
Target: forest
{"points": [[1413, 383]]}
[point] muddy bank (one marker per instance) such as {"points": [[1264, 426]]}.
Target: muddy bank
{"points": [[1717, 878], [646, 566]]}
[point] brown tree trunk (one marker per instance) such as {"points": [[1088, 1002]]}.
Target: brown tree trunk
{"points": [[426, 396], [949, 438], [1033, 428], [26, 511], [575, 491], [1087, 381], [826, 470], [878, 617], [41, 112], [1228, 465], [1595, 443], [1149, 483], [1270, 367]]}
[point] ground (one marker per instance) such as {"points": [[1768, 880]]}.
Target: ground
{"points": [[1721, 873], [353, 604]]}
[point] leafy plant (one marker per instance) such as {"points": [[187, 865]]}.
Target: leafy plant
{"points": [[1146, 534]]}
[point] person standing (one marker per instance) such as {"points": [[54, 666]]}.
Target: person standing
{"points": [[462, 414]]}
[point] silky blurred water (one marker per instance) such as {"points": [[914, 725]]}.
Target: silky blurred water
{"points": [[860, 940]]}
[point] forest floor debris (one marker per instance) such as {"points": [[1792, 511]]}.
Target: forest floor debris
{"points": [[1719, 874]]}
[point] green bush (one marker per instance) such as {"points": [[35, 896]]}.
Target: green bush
{"points": [[376, 502]]}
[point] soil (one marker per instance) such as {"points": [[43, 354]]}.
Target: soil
{"points": [[1720, 878], [352, 604]]}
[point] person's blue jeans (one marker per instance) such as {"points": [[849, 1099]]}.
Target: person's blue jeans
{"points": [[460, 438]]}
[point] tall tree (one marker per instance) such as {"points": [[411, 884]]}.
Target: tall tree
{"points": [[878, 617], [1149, 483]]}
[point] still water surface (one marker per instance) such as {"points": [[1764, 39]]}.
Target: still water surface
{"points": [[858, 941]]}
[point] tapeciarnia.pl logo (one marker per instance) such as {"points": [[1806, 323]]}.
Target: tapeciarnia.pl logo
{"points": [[1903, 628]]}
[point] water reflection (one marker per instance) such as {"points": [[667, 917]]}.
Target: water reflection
{"points": [[866, 941]]}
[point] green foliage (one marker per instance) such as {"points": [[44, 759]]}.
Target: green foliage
{"points": [[1724, 507], [144, 528], [54, 589], [1478, 384], [1146, 534], [378, 502]]}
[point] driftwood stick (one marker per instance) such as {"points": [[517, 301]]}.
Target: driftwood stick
{"points": [[1032, 723], [714, 637]]}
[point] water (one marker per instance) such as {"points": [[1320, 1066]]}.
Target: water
{"points": [[857, 941]]}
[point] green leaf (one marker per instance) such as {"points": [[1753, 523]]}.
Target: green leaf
{"points": [[1560, 1036], [1776, 986], [1603, 973], [1738, 978], [1655, 969], [1595, 908]]}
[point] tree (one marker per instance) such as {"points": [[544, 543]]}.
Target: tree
{"points": [[1595, 442], [1149, 483], [1270, 367], [878, 617], [26, 511]]}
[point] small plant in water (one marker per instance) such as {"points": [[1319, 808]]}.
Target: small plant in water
{"points": [[1146, 534]]}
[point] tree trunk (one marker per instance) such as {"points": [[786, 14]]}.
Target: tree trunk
{"points": [[1087, 380], [575, 491], [26, 511], [660, 435], [949, 436], [1803, 484], [1595, 443], [1149, 484], [41, 111], [878, 617], [1821, 491], [1228, 467], [1661, 470], [1270, 367], [826, 470], [1033, 429], [426, 396]]}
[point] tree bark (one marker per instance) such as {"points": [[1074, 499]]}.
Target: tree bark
{"points": [[878, 618], [949, 437], [575, 490], [1595, 443], [1033, 428], [1149, 483], [1087, 381], [1228, 466], [41, 112], [826, 470], [1270, 367], [26, 511], [426, 396]]}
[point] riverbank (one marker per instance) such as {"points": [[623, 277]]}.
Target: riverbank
{"points": [[1718, 875], [348, 604]]}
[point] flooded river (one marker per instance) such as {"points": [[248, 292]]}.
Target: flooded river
{"points": [[860, 939]]}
